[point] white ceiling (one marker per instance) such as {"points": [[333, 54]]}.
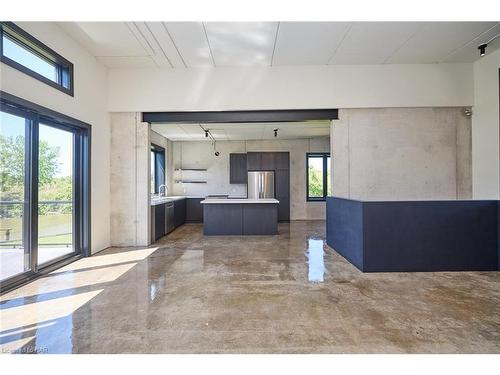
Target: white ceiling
{"points": [[197, 44], [243, 131]]}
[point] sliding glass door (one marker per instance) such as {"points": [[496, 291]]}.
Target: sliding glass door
{"points": [[55, 193], [14, 196], [44, 190]]}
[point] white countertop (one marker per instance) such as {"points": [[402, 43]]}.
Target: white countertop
{"points": [[233, 201], [161, 200], [171, 198]]}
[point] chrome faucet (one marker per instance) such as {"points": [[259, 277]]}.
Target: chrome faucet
{"points": [[165, 190]]}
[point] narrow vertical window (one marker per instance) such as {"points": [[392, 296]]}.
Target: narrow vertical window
{"points": [[158, 171], [318, 171]]}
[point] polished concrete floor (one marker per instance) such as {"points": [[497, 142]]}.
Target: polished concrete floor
{"points": [[12, 259], [272, 294]]}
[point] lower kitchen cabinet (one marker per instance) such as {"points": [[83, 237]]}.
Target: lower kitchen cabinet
{"points": [[158, 218], [194, 210], [179, 212]]}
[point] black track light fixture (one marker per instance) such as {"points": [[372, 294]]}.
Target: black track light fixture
{"points": [[482, 49], [206, 133], [275, 132]]}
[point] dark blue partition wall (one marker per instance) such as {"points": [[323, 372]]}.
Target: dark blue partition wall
{"points": [[415, 235], [498, 232], [344, 228]]}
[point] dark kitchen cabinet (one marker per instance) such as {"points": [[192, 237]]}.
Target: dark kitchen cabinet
{"points": [[267, 161], [238, 168], [223, 219], [282, 177], [282, 182], [179, 212], [254, 161], [282, 160], [159, 218], [283, 209], [194, 210], [279, 162]]}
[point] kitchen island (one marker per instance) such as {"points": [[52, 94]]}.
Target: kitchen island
{"points": [[240, 217]]}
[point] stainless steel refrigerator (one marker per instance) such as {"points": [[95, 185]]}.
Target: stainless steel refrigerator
{"points": [[260, 184]]}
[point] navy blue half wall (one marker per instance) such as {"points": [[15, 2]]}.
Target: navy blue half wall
{"points": [[405, 236]]}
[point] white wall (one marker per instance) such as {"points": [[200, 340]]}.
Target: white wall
{"points": [[89, 105], [355, 86], [201, 155], [485, 128]]}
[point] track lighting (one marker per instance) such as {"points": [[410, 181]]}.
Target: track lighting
{"points": [[482, 49], [275, 132], [206, 133]]}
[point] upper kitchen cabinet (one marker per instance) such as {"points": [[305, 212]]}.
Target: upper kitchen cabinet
{"points": [[267, 161], [254, 161], [282, 160], [238, 168]]}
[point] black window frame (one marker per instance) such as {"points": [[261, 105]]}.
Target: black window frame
{"points": [[36, 114], [64, 68], [160, 167], [324, 156]]}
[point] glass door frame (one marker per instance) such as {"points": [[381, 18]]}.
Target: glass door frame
{"points": [[34, 115]]}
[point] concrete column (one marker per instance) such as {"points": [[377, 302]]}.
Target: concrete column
{"points": [[485, 128], [129, 180], [339, 146]]}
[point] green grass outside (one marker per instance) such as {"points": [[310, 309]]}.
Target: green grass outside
{"points": [[53, 229]]}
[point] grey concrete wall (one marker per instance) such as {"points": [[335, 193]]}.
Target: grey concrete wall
{"points": [[401, 153], [167, 144], [129, 180], [200, 155]]}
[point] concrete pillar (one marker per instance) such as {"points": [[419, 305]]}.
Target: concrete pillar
{"points": [[129, 180]]}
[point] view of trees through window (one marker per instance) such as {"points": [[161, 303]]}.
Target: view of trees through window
{"points": [[55, 193], [55, 190], [317, 179]]}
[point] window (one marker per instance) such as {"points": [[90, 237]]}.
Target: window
{"points": [[158, 170], [23, 52], [44, 189], [318, 176]]}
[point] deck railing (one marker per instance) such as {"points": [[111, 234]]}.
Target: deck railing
{"points": [[54, 223]]}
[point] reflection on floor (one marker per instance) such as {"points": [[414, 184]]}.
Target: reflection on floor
{"points": [[286, 293], [13, 259]]}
